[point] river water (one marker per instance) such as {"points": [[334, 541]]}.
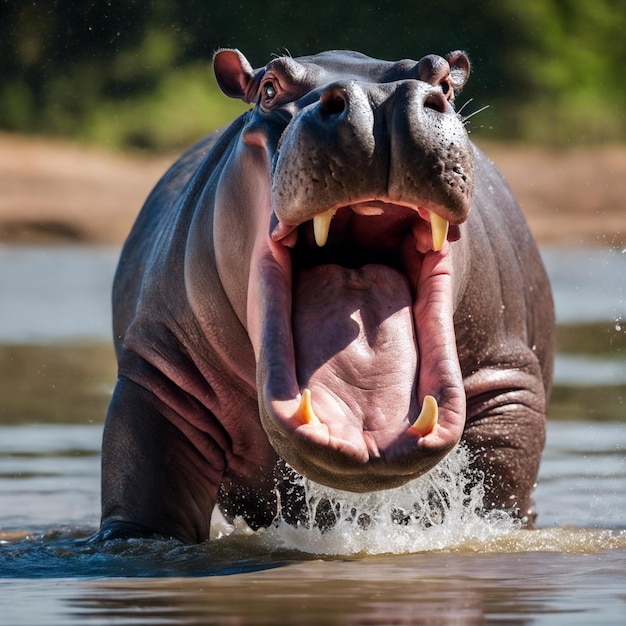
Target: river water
{"points": [[448, 565]]}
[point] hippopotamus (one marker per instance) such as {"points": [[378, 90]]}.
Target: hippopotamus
{"points": [[339, 282]]}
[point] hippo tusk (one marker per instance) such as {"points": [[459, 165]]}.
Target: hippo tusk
{"points": [[304, 413], [321, 226], [439, 228], [427, 419]]}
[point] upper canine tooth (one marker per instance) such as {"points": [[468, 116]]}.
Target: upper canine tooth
{"points": [[439, 228], [321, 226]]}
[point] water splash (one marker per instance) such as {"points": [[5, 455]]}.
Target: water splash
{"points": [[441, 510]]}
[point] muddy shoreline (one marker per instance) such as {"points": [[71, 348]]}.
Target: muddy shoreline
{"points": [[56, 191]]}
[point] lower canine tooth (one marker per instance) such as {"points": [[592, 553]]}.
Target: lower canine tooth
{"points": [[427, 419], [321, 226], [439, 228], [304, 412]]}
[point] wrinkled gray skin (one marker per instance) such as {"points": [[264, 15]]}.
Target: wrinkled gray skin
{"points": [[225, 309]]}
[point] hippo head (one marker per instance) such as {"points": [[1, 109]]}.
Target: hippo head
{"points": [[366, 173]]}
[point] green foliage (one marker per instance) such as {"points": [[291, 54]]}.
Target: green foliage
{"points": [[570, 83], [184, 105], [137, 72]]}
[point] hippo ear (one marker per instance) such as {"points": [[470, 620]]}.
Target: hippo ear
{"points": [[459, 69], [234, 74]]}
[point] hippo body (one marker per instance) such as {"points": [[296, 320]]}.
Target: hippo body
{"points": [[299, 284]]}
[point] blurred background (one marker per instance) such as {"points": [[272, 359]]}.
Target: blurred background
{"points": [[137, 72]]}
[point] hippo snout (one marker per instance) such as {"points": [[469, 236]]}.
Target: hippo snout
{"points": [[400, 141], [335, 99]]}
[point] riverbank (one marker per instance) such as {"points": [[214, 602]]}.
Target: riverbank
{"points": [[52, 190]]}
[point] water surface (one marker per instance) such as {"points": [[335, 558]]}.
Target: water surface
{"points": [[452, 565]]}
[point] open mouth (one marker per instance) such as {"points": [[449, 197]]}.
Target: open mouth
{"points": [[357, 358], [354, 238]]}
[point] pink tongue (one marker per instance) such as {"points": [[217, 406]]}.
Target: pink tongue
{"points": [[356, 347]]}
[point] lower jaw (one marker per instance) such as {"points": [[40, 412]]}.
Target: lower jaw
{"points": [[282, 391]]}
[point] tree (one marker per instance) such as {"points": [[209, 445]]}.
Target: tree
{"points": [[548, 69]]}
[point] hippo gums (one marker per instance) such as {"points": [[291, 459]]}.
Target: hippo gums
{"points": [[339, 282]]}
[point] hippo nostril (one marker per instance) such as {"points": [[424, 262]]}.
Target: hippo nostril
{"points": [[436, 101], [333, 101]]}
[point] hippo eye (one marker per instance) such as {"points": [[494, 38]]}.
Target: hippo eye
{"points": [[269, 92]]}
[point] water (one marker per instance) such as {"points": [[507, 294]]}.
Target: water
{"points": [[56, 374], [55, 294]]}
